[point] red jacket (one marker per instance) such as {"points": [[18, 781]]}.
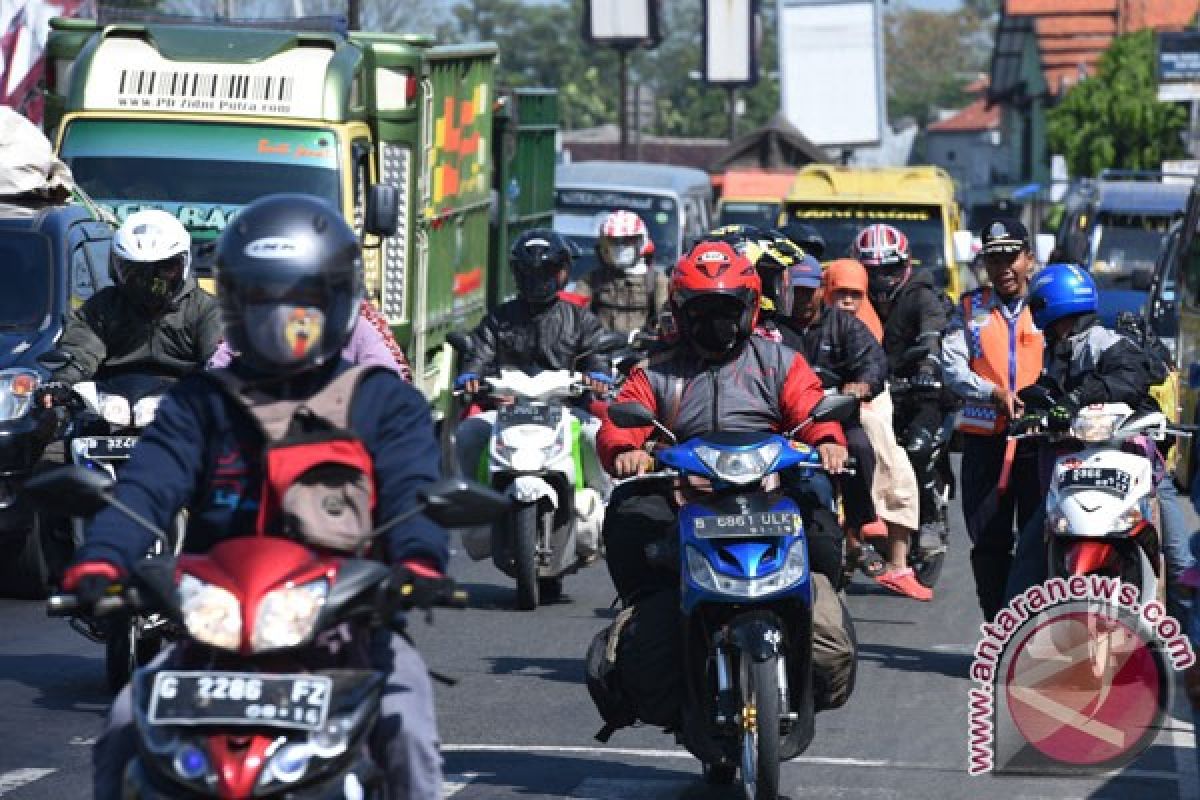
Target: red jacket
{"points": [[766, 387]]}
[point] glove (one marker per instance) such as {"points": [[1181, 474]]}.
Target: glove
{"points": [[1058, 419], [601, 377], [420, 584], [1029, 422], [926, 379], [465, 378], [54, 393], [90, 581]]}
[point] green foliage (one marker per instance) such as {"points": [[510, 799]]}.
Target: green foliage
{"points": [[1114, 119], [929, 55]]}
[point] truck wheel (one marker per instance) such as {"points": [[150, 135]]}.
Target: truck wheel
{"points": [[525, 538]]}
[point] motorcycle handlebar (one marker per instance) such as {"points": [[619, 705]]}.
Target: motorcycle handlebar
{"points": [[67, 604]]}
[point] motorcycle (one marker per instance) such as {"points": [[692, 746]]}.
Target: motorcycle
{"points": [[266, 694], [746, 595]]}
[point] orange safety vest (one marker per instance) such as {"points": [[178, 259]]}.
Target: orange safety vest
{"points": [[1006, 352]]}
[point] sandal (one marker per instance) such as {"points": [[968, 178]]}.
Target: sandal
{"points": [[904, 581]]}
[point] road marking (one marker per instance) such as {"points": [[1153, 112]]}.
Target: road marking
{"points": [[11, 781], [82, 741], [455, 782]]}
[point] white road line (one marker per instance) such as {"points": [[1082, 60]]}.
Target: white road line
{"points": [[455, 782], [11, 781]]}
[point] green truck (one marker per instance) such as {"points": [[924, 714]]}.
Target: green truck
{"points": [[201, 118]]}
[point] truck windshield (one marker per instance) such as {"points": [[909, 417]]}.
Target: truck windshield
{"points": [[578, 214], [25, 301], [201, 172], [839, 222], [760, 215], [1125, 248]]}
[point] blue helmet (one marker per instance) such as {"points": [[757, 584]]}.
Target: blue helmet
{"points": [[1061, 290]]}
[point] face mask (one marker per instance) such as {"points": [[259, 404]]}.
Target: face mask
{"points": [[152, 286], [715, 333], [286, 335], [624, 256], [538, 290]]}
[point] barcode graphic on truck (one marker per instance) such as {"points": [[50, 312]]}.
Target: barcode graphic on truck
{"points": [[205, 85]]}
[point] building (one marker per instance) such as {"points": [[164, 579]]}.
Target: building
{"points": [[969, 145], [1043, 48]]}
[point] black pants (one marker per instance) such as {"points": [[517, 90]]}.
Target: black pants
{"points": [[640, 514], [990, 516], [856, 488], [911, 420]]}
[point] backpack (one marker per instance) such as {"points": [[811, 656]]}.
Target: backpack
{"points": [[603, 683], [318, 477]]}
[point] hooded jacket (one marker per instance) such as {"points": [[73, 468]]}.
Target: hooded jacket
{"points": [[109, 336], [517, 335], [1093, 364]]}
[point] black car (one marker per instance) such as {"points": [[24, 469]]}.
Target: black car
{"points": [[53, 257]]}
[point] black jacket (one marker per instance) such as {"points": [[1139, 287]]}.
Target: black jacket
{"points": [[514, 335], [917, 316], [107, 336], [1096, 365], [839, 342]]}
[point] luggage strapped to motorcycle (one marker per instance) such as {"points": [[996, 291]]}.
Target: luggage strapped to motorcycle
{"points": [[319, 478]]}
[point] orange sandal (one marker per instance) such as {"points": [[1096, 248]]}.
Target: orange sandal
{"points": [[904, 581]]}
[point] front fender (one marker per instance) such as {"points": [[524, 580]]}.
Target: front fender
{"points": [[530, 489], [758, 637]]}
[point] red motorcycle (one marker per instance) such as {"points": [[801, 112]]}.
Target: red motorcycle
{"points": [[270, 694]]}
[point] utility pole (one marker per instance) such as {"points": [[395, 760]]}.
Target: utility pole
{"points": [[732, 113], [354, 14], [622, 104]]}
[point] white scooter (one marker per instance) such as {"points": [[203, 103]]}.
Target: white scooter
{"points": [[554, 528]]}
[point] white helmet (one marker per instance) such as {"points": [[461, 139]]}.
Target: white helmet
{"points": [[623, 241], [151, 258]]}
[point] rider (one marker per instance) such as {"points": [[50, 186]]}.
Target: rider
{"points": [[203, 451], [718, 377], [626, 292], [913, 315], [154, 320], [992, 351], [536, 331], [1091, 364]]}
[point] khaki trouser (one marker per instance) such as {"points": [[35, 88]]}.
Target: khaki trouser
{"points": [[834, 649], [894, 489]]}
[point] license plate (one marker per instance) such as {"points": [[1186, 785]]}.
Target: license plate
{"points": [[763, 523], [110, 447], [520, 414], [1102, 478], [240, 698]]}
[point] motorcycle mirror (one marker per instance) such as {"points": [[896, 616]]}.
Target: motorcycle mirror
{"points": [[459, 341], [459, 503], [835, 408], [630, 415], [78, 491], [54, 360], [1035, 397]]}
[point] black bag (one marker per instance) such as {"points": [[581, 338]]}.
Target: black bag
{"points": [[603, 683]]}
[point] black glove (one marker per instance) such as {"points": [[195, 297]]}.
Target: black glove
{"points": [[1058, 419], [927, 379], [419, 586], [59, 394], [1028, 423]]}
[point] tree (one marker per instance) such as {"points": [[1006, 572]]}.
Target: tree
{"points": [[1114, 119], [929, 54]]}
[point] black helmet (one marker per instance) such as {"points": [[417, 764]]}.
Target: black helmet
{"points": [[289, 283], [536, 258], [806, 237]]}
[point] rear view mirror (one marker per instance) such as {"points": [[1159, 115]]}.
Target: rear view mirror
{"points": [[77, 491], [630, 415], [964, 247], [835, 408], [1044, 246], [459, 503], [383, 210]]}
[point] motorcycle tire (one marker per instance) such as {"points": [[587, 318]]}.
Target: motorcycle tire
{"points": [[525, 537], [760, 742], [719, 774], [33, 563], [125, 651]]}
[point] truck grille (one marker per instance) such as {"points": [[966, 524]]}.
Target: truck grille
{"points": [[395, 171]]}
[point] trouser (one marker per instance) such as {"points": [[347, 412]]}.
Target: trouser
{"points": [[404, 742], [989, 515], [919, 422], [856, 488], [639, 514], [474, 433]]}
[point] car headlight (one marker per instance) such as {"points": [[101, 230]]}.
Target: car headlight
{"points": [[211, 614], [115, 410], [740, 466], [16, 392], [794, 570], [1127, 520], [1095, 426], [286, 616]]}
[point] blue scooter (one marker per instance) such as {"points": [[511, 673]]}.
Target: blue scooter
{"points": [[746, 596]]}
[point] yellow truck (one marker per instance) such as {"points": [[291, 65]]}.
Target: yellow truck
{"points": [[839, 201]]}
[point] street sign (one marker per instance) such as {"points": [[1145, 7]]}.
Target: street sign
{"points": [[730, 43], [622, 23], [1178, 66]]}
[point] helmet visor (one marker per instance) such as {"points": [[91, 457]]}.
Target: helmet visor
{"points": [[151, 283], [283, 334], [716, 322]]}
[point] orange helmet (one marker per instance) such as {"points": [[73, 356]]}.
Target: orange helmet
{"points": [[845, 273], [714, 295]]}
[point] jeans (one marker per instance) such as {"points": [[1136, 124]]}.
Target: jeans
{"points": [[404, 742]]}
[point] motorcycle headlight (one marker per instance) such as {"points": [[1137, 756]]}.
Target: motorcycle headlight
{"points": [[286, 616], [211, 614], [1095, 427], [794, 570], [115, 410], [16, 392], [740, 466]]}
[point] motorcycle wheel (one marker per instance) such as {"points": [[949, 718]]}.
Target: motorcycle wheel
{"points": [[525, 537], [125, 650], [719, 774], [760, 728]]}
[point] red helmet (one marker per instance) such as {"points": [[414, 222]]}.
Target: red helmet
{"points": [[715, 295], [883, 250]]}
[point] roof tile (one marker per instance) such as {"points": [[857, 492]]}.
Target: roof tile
{"points": [[975, 117], [1040, 7], [1069, 24]]}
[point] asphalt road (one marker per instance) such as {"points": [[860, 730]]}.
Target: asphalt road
{"points": [[519, 724]]}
